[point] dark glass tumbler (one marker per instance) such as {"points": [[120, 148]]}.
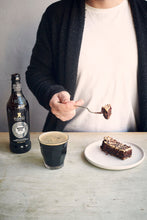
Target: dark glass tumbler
{"points": [[53, 147]]}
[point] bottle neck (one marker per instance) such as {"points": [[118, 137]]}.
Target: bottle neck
{"points": [[16, 87]]}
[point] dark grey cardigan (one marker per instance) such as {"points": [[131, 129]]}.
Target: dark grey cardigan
{"points": [[54, 61]]}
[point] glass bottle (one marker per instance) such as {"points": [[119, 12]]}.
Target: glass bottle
{"points": [[18, 118]]}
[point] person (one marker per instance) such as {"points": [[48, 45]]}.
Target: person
{"points": [[91, 52]]}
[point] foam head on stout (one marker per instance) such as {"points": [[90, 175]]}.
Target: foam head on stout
{"points": [[53, 138]]}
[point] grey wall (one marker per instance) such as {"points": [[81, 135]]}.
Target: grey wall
{"points": [[19, 21]]}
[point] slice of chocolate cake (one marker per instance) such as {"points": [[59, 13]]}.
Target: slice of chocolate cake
{"points": [[107, 111], [115, 148]]}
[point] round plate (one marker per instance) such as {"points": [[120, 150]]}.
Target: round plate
{"points": [[99, 158]]}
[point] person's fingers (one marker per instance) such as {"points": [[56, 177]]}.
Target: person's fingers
{"points": [[64, 97], [65, 111], [79, 102], [69, 109], [69, 106], [62, 107], [61, 97], [66, 116]]}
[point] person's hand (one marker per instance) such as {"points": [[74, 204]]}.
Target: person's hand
{"points": [[62, 107]]}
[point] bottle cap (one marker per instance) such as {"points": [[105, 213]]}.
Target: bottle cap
{"points": [[15, 77]]}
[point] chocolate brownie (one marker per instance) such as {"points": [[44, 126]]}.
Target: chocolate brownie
{"points": [[107, 111], [115, 148]]}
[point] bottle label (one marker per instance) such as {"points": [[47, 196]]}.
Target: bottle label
{"points": [[20, 129]]}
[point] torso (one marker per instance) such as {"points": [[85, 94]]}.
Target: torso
{"points": [[107, 71]]}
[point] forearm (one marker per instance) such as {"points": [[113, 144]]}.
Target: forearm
{"points": [[42, 87]]}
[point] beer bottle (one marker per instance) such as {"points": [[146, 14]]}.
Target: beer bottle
{"points": [[18, 118]]}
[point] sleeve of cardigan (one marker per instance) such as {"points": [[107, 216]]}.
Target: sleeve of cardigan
{"points": [[40, 73]]}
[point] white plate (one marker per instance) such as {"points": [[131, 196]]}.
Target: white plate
{"points": [[99, 158]]}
